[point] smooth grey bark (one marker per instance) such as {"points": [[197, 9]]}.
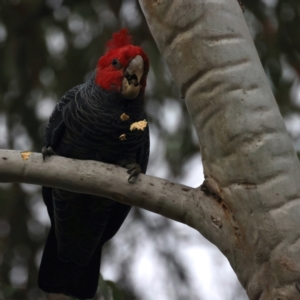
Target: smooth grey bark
{"points": [[249, 161], [174, 201], [250, 206]]}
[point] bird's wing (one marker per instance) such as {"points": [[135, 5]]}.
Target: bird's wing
{"points": [[63, 269], [55, 126]]}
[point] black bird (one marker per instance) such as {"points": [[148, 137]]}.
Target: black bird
{"points": [[102, 120]]}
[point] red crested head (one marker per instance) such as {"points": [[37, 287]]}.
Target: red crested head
{"points": [[124, 67], [119, 40]]}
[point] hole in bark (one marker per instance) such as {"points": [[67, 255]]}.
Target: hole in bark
{"points": [[238, 234], [224, 206], [216, 221]]}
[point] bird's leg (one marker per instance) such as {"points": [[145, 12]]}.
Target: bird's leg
{"points": [[47, 151], [134, 170], [55, 137]]}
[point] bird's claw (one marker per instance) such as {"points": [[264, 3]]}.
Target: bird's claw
{"points": [[47, 151], [133, 170]]}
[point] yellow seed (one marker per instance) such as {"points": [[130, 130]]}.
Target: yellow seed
{"points": [[124, 117], [141, 125], [25, 154]]}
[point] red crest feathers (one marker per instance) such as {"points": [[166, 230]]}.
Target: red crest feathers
{"points": [[119, 40]]}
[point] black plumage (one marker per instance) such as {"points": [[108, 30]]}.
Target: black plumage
{"points": [[86, 124]]}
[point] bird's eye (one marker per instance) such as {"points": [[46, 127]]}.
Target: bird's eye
{"points": [[115, 62]]}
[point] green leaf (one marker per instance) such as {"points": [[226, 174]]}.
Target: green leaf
{"points": [[116, 292], [6, 290], [109, 290], [105, 290]]}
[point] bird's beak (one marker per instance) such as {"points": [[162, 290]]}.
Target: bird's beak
{"points": [[132, 78]]}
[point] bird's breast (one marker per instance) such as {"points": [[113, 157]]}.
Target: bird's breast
{"points": [[103, 135]]}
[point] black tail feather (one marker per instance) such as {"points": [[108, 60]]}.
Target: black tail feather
{"points": [[56, 276]]}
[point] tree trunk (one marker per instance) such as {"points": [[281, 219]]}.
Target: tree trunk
{"points": [[248, 205], [249, 162]]}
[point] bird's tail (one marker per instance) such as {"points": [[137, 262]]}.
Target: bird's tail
{"points": [[56, 276]]}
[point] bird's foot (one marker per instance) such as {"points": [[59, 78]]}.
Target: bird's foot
{"points": [[133, 170], [47, 151]]}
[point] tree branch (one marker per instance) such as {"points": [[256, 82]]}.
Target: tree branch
{"points": [[175, 201]]}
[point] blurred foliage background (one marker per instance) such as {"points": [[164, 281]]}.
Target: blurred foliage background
{"points": [[49, 46]]}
